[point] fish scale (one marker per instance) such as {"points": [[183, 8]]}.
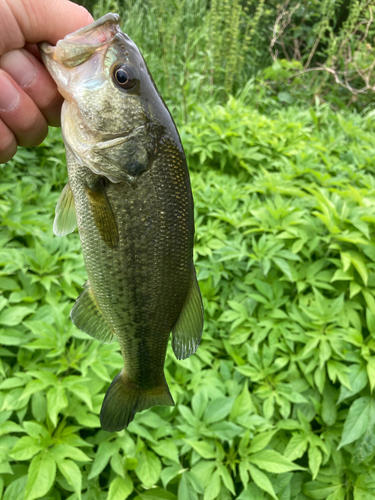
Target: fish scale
{"points": [[129, 194]]}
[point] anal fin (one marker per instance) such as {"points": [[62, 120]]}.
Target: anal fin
{"points": [[65, 219], [102, 213], [87, 316], [187, 331]]}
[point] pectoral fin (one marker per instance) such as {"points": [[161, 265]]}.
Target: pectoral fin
{"points": [[103, 215], [87, 316], [65, 219], [187, 331]]}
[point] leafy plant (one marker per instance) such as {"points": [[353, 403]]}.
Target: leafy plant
{"points": [[278, 400]]}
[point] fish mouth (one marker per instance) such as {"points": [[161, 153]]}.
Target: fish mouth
{"points": [[79, 46], [76, 48]]}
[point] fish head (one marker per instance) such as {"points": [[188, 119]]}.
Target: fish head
{"points": [[113, 116]]}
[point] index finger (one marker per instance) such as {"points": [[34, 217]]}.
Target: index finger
{"points": [[33, 21]]}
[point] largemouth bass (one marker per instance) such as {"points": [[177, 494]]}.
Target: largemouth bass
{"points": [[129, 194]]}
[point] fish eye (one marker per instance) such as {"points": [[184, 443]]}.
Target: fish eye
{"points": [[124, 77]]}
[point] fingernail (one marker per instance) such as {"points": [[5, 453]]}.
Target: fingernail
{"points": [[9, 95], [18, 66]]}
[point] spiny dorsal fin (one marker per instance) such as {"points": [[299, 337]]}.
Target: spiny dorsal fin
{"points": [[187, 331], [87, 316], [65, 219], [103, 215]]}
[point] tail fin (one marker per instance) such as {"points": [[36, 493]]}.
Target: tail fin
{"points": [[124, 398]]}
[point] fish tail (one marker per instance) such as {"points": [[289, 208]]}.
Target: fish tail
{"points": [[124, 398]]}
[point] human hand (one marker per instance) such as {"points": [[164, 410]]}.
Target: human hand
{"points": [[29, 100]]}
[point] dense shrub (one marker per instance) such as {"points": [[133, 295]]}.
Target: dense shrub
{"points": [[277, 402]]}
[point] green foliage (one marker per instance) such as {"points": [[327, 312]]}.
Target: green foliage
{"points": [[201, 51], [278, 400]]}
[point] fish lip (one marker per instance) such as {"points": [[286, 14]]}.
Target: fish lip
{"points": [[47, 52], [110, 17], [46, 48], [79, 38]]}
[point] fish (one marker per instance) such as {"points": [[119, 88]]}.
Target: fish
{"points": [[129, 194]]}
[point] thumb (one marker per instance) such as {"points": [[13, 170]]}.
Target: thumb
{"points": [[33, 21]]}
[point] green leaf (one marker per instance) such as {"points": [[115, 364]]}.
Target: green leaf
{"points": [[371, 372], [225, 430], [204, 449], [185, 490], [62, 451], [242, 403], [260, 441], [364, 448], [199, 403], [41, 476], [120, 488], [83, 393], [169, 473], [157, 494], [315, 460], [167, 448], [11, 336], [364, 488], [39, 406], [35, 430], [296, 446], [218, 409], [118, 464], [101, 371], [329, 410], [337, 370], [16, 489], [324, 490], [8, 284], [360, 415], [357, 379], [213, 489], [25, 448], [262, 480], [284, 266], [14, 315], [8, 427], [369, 300], [149, 468], [56, 401], [72, 474], [104, 453], [226, 478], [360, 266], [272, 461]]}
